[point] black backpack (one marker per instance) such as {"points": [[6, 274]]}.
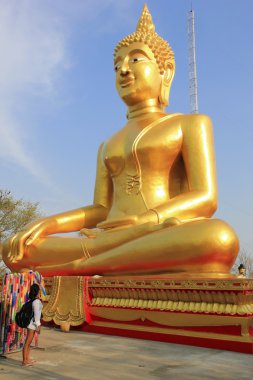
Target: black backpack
{"points": [[24, 315]]}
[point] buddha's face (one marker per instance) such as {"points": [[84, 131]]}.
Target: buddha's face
{"points": [[137, 74]]}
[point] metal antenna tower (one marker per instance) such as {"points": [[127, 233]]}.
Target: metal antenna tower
{"points": [[193, 88]]}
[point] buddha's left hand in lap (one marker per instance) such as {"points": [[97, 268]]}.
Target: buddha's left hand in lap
{"points": [[131, 225]]}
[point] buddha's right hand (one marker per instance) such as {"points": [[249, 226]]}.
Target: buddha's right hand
{"points": [[23, 239]]}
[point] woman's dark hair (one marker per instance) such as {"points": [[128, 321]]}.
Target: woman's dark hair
{"points": [[34, 291], [241, 266]]}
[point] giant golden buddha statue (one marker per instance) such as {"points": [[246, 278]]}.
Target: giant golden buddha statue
{"points": [[155, 187]]}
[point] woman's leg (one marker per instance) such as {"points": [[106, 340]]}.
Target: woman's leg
{"points": [[26, 348]]}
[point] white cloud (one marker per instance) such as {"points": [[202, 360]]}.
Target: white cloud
{"points": [[32, 43], [33, 48], [13, 149], [33, 52]]}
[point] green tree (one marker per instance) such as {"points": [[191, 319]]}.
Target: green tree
{"points": [[14, 215]]}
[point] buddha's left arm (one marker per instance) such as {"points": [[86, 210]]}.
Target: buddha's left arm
{"points": [[199, 161]]}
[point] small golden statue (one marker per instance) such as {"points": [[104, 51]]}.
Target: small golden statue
{"points": [[241, 271], [155, 187]]}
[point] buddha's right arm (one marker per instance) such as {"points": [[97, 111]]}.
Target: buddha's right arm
{"points": [[89, 216], [69, 221]]}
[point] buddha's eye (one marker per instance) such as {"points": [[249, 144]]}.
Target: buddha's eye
{"points": [[137, 59], [116, 67]]}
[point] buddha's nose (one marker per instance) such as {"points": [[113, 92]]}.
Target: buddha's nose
{"points": [[124, 70]]}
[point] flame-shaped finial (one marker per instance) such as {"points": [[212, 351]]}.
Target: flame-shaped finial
{"points": [[145, 23]]}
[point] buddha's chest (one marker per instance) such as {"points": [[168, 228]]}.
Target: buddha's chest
{"points": [[152, 147]]}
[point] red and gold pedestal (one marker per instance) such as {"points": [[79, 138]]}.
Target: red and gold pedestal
{"points": [[213, 313]]}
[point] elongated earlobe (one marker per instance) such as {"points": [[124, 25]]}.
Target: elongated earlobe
{"points": [[167, 78]]}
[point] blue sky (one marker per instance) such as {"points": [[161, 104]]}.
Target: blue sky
{"points": [[58, 99]]}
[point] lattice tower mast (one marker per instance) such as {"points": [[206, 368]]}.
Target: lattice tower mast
{"points": [[193, 88]]}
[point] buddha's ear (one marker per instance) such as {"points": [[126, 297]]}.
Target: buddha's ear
{"points": [[167, 78]]}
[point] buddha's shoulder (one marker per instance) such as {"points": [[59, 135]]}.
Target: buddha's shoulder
{"points": [[186, 119]]}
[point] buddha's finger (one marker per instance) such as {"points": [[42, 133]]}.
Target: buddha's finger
{"points": [[170, 222], [34, 236], [9, 255], [14, 247], [20, 254], [90, 233], [20, 251]]}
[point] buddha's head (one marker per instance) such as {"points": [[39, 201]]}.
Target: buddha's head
{"points": [[144, 65]]}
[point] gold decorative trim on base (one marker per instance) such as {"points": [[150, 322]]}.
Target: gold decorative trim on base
{"points": [[166, 282], [195, 307], [66, 302], [233, 296]]}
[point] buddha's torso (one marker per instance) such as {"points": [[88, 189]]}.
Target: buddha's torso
{"points": [[139, 159]]}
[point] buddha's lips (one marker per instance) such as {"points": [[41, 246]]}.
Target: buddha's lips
{"points": [[126, 83]]}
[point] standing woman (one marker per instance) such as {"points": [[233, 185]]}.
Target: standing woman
{"points": [[34, 324]]}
